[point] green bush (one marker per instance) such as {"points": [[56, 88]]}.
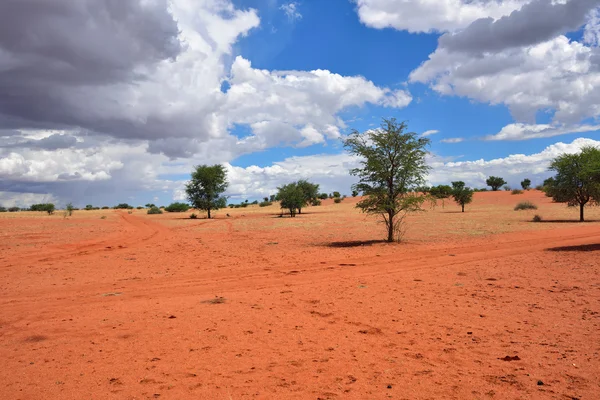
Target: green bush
{"points": [[154, 210], [525, 205], [13, 209], [123, 206], [337, 200], [265, 204], [193, 216], [47, 207], [323, 196], [516, 191], [315, 202], [105, 207], [537, 218], [69, 209], [337, 194], [177, 207], [2, 209]]}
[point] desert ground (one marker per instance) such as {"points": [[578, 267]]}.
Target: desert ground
{"points": [[480, 305]]}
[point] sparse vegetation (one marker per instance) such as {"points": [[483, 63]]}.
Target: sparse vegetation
{"points": [[495, 182], [13, 209], [69, 209], [154, 210], [265, 203], [516, 191], [206, 187], [441, 192], [337, 200], [537, 218], [525, 205], [177, 207], [123, 206], [193, 216], [392, 162], [316, 202]]}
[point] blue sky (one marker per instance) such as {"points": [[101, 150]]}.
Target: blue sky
{"points": [[269, 88]]}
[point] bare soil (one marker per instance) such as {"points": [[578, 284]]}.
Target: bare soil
{"points": [[478, 305]]}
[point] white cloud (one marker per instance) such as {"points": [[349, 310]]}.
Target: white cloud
{"points": [[452, 140], [519, 131], [291, 11], [430, 132], [431, 15], [331, 171], [591, 34]]}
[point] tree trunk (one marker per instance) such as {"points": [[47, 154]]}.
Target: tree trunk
{"points": [[208, 213], [581, 212], [463, 207], [390, 227], [299, 210]]}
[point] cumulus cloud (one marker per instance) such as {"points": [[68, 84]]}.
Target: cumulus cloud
{"points": [[331, 170], [519, 131], [431, 16], [524, 61], [113, 107]]}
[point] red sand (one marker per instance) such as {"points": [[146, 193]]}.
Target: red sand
{"points": [[479, 305]]}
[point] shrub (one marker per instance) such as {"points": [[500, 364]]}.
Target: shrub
{"points": [[13, 209], [336, 194], [2, 209], [139, 207], [539, 187], [265, 204], [316, 202], [516, 191], [537, 218], [89, 207], [177, 207], [154, 210], [103, 217], [69, 209], [337, 200], [323, 196], [354, 193], [105, 207], [47, 207], [507, 188], [123, 206], [525, 205], [193, 216]]}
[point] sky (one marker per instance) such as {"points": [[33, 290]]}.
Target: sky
{"points": [[104, 102]]}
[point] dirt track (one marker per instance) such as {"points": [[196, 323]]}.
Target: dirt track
{"points": [[302, 311]]}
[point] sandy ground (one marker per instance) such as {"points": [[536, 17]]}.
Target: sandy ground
{"points": [[480, 305]]}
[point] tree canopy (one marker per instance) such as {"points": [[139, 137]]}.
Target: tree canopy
{"points": [[577, 179], [310, 192], [391, 162], [526, 184], [461, 194], [292, 197], [495, 182], [206, 186]]}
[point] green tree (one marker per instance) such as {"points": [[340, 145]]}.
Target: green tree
{"points": [[291, 197], [89, 207], [323, 196], [69, 209], [392, 162], [525, 184], [577, 179], [206, 187], [354, 193], [441, 192], [495, 182], [47, 207], [462, 194], [310, 191]]}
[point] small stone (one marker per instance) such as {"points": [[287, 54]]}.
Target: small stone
{"points": [[389, 386], [540, 383]]}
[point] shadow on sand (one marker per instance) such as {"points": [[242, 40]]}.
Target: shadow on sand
{"points": [[583, 247], [355, 243]]}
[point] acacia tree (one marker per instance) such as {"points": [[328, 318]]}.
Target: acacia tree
{"points": [[441, 192], [495, 182], [577, 179], [391, 162], [462, 194], [205, 189], [525, 184], [291, 197], [310, 192]]}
